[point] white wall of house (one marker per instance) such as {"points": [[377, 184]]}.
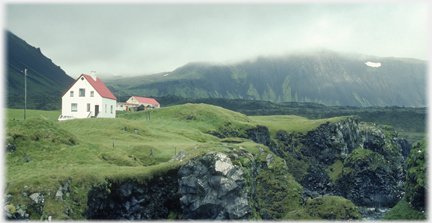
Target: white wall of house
{"points": [[108, 109], [84, 106]]}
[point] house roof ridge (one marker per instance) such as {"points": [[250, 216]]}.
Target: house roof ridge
{"points": [[99, 86], [146, 100]]}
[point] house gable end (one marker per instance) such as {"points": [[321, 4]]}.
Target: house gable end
{"points": [[100, 87]]}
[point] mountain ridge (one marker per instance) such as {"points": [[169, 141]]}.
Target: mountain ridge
{"points": [[321, 76], [325, 77], [45, 80]]}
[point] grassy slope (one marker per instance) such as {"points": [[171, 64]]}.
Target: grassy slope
{"points": [[291, 123], [91, 151], [31, 113]]}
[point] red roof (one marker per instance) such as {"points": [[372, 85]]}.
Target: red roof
{"points": [[146, 100], [97, 85]]}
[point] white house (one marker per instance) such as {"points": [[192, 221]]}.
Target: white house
{"points": [[134, 101], [88, 97]]}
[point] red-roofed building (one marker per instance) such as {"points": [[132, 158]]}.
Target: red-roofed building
{"points": [[88, 97], [138, 102]]}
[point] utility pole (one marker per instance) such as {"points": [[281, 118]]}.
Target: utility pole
{"points": [[25, 93]]}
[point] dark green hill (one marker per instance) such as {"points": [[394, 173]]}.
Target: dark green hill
{"points": [[46, 81], [324, 77]]}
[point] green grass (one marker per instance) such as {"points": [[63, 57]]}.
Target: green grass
{"points": [[326, 208], [291, 123], [404, 211], [30, 113], [97, 151], [285, 193], [334, 170]]}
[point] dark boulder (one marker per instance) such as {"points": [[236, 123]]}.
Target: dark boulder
{"points": [[130, 200], [10, 147], [213, 188]]}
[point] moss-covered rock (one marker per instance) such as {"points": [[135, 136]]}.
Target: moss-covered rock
{"points": [[277, 192], [415, 185], [404, 211], [326, 208], [368, 179], [413, 204]]}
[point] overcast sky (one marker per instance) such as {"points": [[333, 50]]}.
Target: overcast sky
{"points": [[136, 39]]}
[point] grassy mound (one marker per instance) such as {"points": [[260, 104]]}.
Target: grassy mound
{"points": [[326, 208], [404, 211], [291, 123]]}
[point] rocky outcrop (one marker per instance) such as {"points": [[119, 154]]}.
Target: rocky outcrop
{"points": [[371, 179], [405, 146], [261, 134], [130, 200], [213, 188], [368, 180], [317, 183], [13, 212]]}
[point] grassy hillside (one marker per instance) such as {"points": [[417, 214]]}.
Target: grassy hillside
{"points": [[92, 151], [31, 113], [409, 122]]}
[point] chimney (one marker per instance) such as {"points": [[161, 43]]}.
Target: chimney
{"points": [[93, 75]]}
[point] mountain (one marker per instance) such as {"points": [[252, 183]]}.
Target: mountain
{"points": [[46, 81], [323, 76]]}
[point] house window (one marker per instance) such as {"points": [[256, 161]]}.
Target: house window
{"points": [[82, 92], [88, 107], [106, 108], [71, 93], [111, 109], [91, 93], [74, 107]]}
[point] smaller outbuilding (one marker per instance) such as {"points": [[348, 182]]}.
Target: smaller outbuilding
{"points": [[135, 103]]}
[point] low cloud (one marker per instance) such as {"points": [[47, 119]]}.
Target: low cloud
{"points": [[135, 39]]}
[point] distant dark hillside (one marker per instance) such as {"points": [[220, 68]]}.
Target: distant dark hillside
{"points": [[45, 80], [324, 77]]}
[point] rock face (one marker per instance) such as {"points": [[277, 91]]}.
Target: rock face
{"points": [[364, 161], [370, 181], [261, 134], [213, 188], [405, 146], [317, 183], [133, 201]]}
